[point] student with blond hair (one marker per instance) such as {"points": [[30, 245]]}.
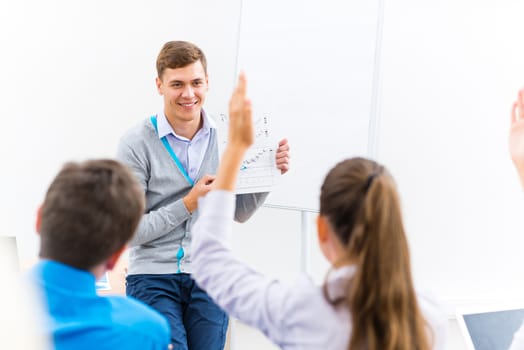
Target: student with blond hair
{"points": [[368, 300]]}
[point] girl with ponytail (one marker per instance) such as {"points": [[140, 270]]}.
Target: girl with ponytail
{"points": [[367, 302], [359, 205]]}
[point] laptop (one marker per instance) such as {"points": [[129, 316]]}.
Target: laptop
{"points": [[490, 327], [9, 252]]}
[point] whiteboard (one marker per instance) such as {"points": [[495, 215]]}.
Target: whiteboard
{"points": [[312, 78]]}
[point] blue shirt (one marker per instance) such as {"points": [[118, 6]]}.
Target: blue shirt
{"points": [[81, 319]]}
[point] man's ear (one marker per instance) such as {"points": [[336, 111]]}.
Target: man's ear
{"points": [[322, 229], [158, 83], [113, 259], [38, 222]]}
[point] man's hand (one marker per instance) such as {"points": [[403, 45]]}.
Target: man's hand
{"points": [[201, 188], [282, 156]]}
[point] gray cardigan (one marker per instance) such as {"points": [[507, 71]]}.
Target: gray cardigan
{"points": [[166, 223]]}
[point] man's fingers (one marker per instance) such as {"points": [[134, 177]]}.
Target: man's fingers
{"points": [[282, 154]]}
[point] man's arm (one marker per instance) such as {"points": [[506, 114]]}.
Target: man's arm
{"points": [[247, 204], [156, 223]]}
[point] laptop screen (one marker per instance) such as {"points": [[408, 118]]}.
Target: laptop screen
{"points": [[490, 328], [9, 252]]}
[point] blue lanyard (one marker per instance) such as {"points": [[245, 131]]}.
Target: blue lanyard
{"points": [[180, 254], [172, 153]]}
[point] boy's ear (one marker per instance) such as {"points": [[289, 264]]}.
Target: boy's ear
{"points": [[322, 229], [113, 259], [38, 222]]}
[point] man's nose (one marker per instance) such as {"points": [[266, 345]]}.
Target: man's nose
{"points": [[188, 91]]}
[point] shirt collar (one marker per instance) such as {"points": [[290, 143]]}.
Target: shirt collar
{"points": [[65, 277], [164, 128], [337, 282]]}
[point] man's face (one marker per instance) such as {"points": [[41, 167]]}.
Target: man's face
{"points": [[184, 90]]}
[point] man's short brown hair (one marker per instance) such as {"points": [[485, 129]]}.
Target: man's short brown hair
{"points": [[179, 54], [91, 210]]}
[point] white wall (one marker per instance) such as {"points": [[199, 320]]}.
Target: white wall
{"points": [[76, 75]]}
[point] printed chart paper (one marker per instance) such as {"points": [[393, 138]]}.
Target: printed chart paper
{"points": [[258, 172]]}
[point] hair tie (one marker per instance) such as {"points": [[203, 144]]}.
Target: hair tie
{"points": [[369, 181]]}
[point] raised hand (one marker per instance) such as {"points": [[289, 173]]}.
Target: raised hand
{"points": [[240, 116], [516, 135], [240, 137]]}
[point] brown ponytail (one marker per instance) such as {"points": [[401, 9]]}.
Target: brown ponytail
{"points": [[360, 200]]}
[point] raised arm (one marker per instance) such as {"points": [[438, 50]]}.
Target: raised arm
{"points": [[516, 135], [238, 289], [240, 137]]}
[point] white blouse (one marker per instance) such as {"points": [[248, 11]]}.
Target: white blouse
{"points": [[293, 316]]}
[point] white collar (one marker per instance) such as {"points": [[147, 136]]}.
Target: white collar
{"points": [[164, 128], [337, 281]]}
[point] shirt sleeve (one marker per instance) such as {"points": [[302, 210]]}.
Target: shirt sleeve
{"points": [[242, 292], [247, 204], [155, 223]]}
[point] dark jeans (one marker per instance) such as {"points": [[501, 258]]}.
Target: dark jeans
{"points": [[196, 322]]}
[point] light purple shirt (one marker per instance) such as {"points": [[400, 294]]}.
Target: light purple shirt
{"points": [[189, 152], [294, 316]]}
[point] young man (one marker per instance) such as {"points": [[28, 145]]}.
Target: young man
{"points": [[174, 155], [90, 211]]}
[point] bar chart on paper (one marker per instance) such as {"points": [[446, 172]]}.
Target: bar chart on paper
{"points": [[258, 172]]}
